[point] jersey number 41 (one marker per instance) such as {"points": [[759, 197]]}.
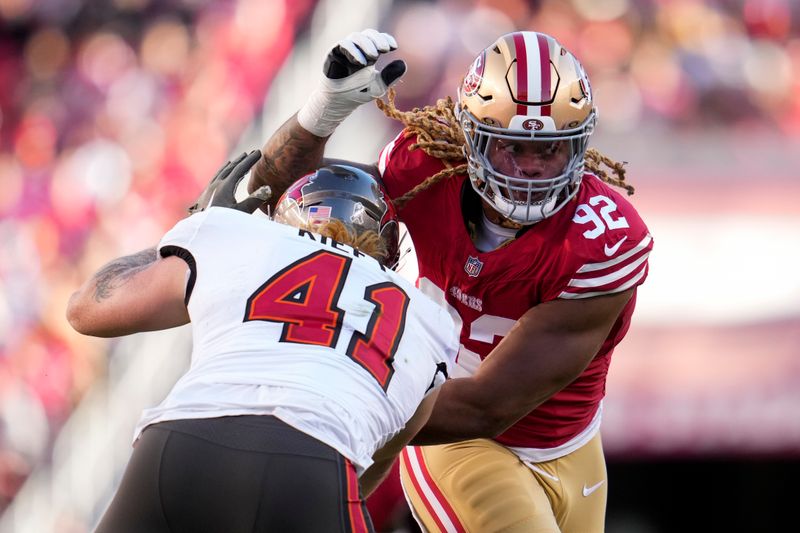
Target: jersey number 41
{"points": [[304, 297]]}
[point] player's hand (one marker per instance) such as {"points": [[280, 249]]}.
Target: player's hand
{"points": [[350, 80], [360, 50], [221, 190]]}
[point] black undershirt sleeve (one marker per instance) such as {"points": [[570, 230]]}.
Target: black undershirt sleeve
{"points": [[186, 255]]}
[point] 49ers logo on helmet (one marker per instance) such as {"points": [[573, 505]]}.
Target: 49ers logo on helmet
{"points": [[533, 124], [473, 79]]}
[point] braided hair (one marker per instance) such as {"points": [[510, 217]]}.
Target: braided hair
{"points": [[439, 136], [368, 241]]}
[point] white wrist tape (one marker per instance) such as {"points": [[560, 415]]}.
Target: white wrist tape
{"points": [[334, 100]]}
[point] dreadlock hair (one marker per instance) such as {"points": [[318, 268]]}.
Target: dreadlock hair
{"points": [[593, 161], [368, 242], [439, 136]]}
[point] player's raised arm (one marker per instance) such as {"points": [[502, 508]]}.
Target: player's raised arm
{"points": [[350, 80]]}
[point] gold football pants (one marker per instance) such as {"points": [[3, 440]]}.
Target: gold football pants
{"points": [[479, 486]]}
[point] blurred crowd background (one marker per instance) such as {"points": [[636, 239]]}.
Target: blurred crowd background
{"points": [[115, 113]]}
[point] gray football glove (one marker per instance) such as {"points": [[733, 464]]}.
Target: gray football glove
{"points": [[221, 190]]}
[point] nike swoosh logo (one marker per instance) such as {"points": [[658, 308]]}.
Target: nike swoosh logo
{"points": [[611, 251], [588, 490]]}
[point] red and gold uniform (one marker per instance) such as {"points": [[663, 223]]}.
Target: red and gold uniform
{"points": [[596, 245]]}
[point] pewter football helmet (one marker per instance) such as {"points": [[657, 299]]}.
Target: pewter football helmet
{"points": [[347, 194]]}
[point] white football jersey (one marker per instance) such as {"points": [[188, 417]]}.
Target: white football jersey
{"points": [[288, 323]]}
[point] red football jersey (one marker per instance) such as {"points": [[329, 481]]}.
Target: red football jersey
{"points": [[597, 244]]}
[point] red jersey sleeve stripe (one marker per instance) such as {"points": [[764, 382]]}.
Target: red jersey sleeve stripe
{"points": [[575, 293], [645, 243], [611, 277]]}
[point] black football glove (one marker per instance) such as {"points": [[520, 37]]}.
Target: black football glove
{"points": [[221, 190]]}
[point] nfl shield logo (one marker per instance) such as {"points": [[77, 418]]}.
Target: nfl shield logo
{"points": [[473, 266]]}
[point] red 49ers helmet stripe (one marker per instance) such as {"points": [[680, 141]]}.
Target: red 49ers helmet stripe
{"points": [[533, 58], [544, 65], [522, 73]]}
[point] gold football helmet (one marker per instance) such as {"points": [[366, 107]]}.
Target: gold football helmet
{"points": [[526, 94]]}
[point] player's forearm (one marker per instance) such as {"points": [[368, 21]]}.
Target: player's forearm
{"points": [[291, 152], [375, 474], [349, 81], [461, 412]]}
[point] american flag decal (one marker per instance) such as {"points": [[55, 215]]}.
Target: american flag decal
{"points": [[473, 266], [319, 213]]}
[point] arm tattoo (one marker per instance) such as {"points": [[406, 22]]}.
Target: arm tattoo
{"points": [[116, 273], [291, 152]]}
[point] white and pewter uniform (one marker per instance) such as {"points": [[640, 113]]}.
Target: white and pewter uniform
{"points": [[245, 364]]}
